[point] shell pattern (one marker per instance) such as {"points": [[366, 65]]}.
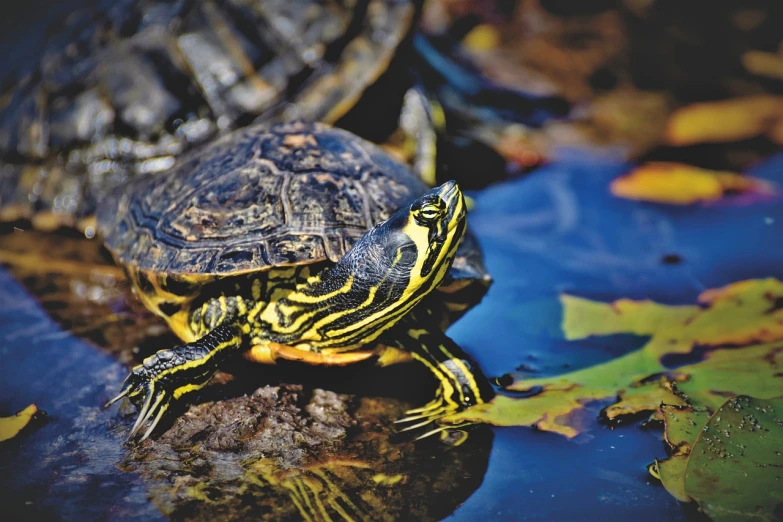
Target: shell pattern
{"points": [[260, 197]]}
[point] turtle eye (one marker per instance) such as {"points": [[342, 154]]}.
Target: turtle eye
{"points": [[429, 210]]}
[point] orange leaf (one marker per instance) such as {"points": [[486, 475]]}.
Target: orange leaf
{"points": [[681, 184], [721, 121]]}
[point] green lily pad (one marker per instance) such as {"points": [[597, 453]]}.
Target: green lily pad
{"points": [[735, 469]]}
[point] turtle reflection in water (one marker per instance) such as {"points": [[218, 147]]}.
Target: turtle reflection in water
{"points": [[263, 244]]}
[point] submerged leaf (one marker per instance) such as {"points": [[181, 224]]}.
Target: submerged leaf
{"points": [[734, 470], [681, 184], [11, 426], [725, 120]]}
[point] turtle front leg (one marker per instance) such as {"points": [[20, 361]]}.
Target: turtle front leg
{"points": [[171, 373], [460, 382]]}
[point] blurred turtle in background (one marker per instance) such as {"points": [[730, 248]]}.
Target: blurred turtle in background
{"points": [[124, 89]]}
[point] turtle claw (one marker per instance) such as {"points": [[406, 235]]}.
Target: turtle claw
{"points": [[129, 385], [156, 402], [430, 414], [148, 395], [122, 394]]}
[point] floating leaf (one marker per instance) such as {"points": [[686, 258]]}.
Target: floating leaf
{"points": [[680, 184], [11, 426], [737, 327], [722, 121], [671, 473], [764, 64], [483, 37], [734, 469], [682, 426]]}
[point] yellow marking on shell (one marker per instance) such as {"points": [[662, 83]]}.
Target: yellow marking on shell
{"points": [[459, 363], [283, 273], [179, 321], [181, 326]]}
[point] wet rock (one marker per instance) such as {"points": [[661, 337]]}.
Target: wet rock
{"points": [[287, 452]]}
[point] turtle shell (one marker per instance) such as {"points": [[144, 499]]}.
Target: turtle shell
{"points": [[261, 197]]}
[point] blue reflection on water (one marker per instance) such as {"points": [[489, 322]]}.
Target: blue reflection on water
{"points": [[65, 469], [560, 230]]}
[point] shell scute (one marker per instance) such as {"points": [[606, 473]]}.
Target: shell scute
{"points": [[293, 249]]}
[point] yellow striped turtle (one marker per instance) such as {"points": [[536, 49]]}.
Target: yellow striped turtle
{"points": [[303, 242]]}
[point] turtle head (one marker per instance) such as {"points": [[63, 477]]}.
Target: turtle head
{"points": [[435, 224], [413, 250]]}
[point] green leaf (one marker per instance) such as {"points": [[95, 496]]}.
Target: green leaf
{"points": [[735, 469], [739, 327]]}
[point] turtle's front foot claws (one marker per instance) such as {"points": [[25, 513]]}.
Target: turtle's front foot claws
{"points": [[146, 394], [428, 418]]}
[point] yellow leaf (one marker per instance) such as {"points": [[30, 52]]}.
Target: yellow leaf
{"points": [[763, 64], [681, 184], [483, 37], [722, 121], [11, 426]]}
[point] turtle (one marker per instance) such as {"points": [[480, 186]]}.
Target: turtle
{"points": [[298, 241], [126, 88]]}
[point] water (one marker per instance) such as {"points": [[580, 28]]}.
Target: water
{"points": [[558, 230]]}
